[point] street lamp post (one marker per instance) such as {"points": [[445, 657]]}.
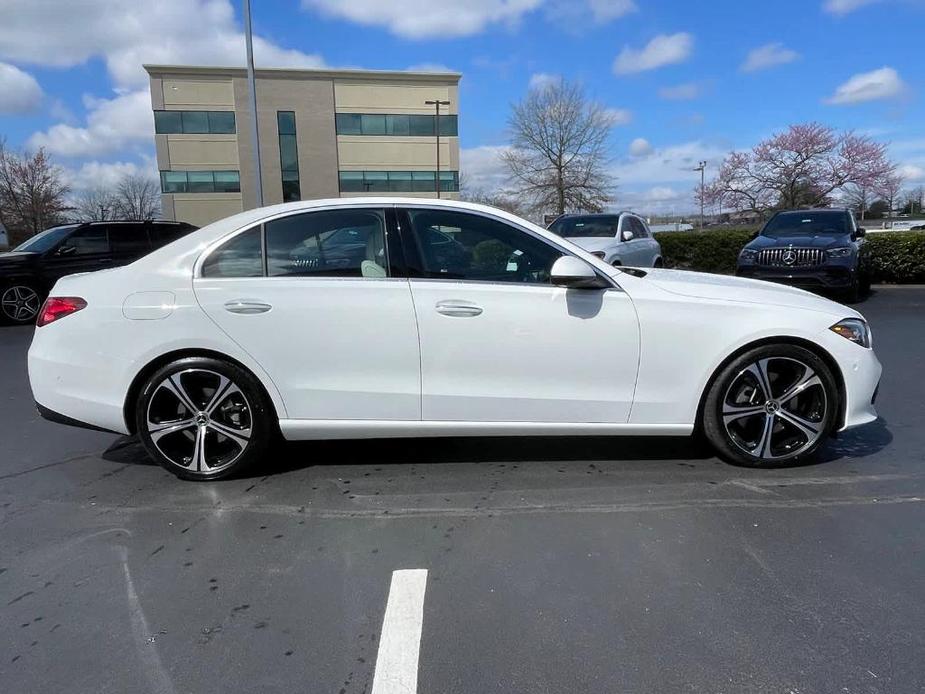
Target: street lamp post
{"points": [[437, 103], [252, 85], [701, 167]]}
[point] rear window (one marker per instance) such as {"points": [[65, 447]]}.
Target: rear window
{"points": [[602, 226], [807, 223]]}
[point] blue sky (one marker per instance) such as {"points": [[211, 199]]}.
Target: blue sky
{"points": [[678, 74]]}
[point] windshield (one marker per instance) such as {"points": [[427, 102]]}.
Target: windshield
{"points": [[584, 227], [46, 240], [807, 224]]}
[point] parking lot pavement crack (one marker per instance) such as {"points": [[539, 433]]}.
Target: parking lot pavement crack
{"points": [[37, 468]]}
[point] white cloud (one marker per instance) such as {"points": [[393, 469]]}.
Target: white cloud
{"points": [[575, 15], [884, 83], [112, 125], [768, 55], [541, 80], [429, 67], [125, 34], [608, 10], [418, 19], [842, 7], [619, 116], [482, 168], [96, 174], [640, 147], [662, 50], [19, 92], [681, 92], [911, 172]]}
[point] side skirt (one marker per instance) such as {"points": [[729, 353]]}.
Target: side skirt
{"points": [[317, 429]]}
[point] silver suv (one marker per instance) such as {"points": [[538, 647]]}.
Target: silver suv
{"points": [[621, 238]]}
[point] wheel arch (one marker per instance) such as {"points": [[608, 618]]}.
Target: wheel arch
{"points": [[816, 349], [134, 390]]}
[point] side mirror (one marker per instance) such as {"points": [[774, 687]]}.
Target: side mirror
{"points": [[65, 250], [861, 232], [628, 235], [574, 273]]}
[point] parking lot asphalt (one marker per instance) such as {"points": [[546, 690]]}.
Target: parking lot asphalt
{"points": [[554, 565]]}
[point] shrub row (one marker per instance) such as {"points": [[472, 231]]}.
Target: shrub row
{"points": [[896, 257]]}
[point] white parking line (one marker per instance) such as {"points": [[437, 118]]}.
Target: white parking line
{"points": [[400, 641]]}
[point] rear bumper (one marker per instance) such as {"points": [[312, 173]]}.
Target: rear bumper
{"points": [[824, 277], [58, 418]]}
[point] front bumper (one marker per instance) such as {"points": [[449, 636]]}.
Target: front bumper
{"points": [[819, 277], [861, 371]]}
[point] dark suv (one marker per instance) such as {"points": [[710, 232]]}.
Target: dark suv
{"points": [[28, 272], [812, 249]]}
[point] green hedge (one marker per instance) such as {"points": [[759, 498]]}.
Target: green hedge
{"points": [[896, 257], [704, 251]]}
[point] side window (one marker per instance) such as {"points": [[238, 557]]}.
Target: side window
{"points": [[462, 246], [162, 234], [129, 239], [239, 257], [337, 243], [639, 228], [90, 241]]}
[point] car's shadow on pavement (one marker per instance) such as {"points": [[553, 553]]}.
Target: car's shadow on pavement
{"points": [[290, 456]]}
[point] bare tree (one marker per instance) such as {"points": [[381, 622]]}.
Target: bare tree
{"points": [[32, 193], [803, 166], [96, 204], [914, 199], [137, 197], [889, 188], [559, 148], [859, 197]]}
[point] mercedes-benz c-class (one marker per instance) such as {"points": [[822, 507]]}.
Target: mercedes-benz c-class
{"points": [[385, 317]]}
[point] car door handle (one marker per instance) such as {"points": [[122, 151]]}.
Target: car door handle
{"points": [[458, 309], [246, 306]]}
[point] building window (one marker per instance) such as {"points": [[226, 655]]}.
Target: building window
{"points": [[200, 182], [194, 122], [288, 155], [398, 181], [395, 125]]}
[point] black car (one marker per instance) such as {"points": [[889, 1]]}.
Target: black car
{"points": [[812, 249], [29, 271]]}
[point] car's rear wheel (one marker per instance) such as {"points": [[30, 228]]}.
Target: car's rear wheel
{"points": [[20, 303], [774, 405], [204, 419]]}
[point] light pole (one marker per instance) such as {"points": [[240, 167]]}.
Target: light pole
{"points": [[252, 85], [701, 167], [437, 103]]}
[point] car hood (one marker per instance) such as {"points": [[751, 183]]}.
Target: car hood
{"points": [[822, 242], [594, 243], [739, 289], [16, 259]]}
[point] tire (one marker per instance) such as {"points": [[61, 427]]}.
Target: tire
{"points": [[20, 303], [746, 427], [196, 436], [853, 293]]}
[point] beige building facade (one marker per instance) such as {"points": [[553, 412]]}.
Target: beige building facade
{"points": [[322, 133]]}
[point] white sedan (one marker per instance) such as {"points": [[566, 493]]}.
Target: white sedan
{"points": [[385, 317]]}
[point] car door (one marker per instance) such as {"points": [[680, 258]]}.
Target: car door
{"points": [[312, 298], [647, 248], [85, 250], [499, 342]]}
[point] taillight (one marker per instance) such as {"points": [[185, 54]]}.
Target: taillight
{"points": [[56, 307]]}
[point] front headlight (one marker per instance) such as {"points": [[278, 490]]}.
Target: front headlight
{"points": [[853, 329], [748, 255], [839, 252]]}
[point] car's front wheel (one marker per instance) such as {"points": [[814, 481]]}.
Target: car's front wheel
{"points": [[774, 405], [204, 419]]}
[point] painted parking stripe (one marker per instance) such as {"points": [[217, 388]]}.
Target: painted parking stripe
{"points": [[400, 641]]}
